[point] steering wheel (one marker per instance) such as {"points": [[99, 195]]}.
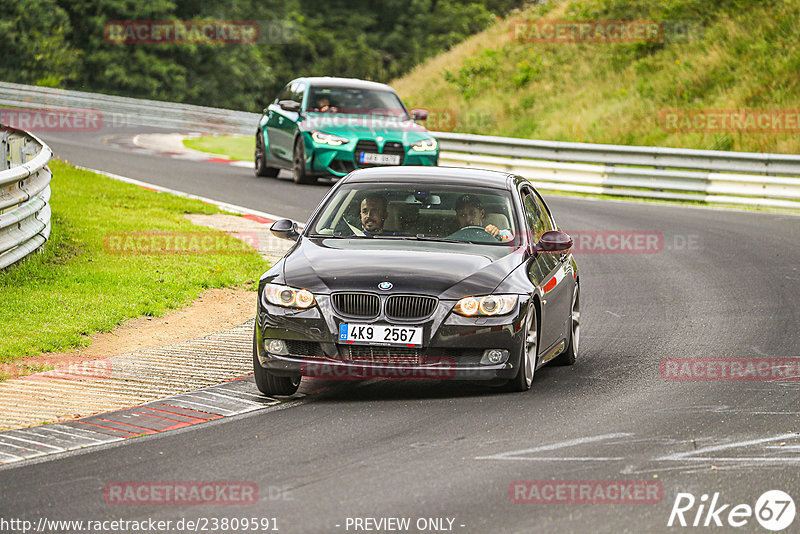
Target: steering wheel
{"points": [[472, 233], [344, 228]]}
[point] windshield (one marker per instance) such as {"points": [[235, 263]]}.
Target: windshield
{"points": [[355, 101], [403, 211]]}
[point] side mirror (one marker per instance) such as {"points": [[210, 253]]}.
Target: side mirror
{"points": [[553, 242], [419, 114], [285, 229], [289, 105]]}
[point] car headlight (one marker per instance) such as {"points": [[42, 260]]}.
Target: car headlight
{"points": [[288, 297], [328, 139], [426, 145], [488, 305]]}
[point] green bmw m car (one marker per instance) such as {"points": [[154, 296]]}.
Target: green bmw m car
{"points": [[331, 126]]}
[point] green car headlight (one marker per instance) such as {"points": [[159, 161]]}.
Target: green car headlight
{"points": [[288, 297], [486, 306], [426, 145], [328, 139]]}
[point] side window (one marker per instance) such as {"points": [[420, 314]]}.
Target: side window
{"points": [[286, 94], [547, 222], [533, 212], [297, 92]]}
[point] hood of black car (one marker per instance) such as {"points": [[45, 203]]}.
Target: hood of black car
{"points": [[446, 270]]}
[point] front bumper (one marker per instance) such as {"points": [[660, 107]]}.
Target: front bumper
{"points": [[452, 345], [341, 160]]}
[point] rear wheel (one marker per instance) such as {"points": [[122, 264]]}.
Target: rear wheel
{"points": [[299, 171], [269, 384], [568, 356], [528, 358], [261, 167]]}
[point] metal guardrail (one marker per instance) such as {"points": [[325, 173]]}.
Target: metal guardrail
{"points": [[743, 178], [24, 195], [123, 111]]}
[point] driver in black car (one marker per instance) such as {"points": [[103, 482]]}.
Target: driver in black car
{"points": [[470, 213], [374, 210]]}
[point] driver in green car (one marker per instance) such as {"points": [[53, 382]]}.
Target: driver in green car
{"points": [[470, 213]]}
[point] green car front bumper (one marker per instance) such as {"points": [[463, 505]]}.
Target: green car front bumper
{"points": [[323, 159]]}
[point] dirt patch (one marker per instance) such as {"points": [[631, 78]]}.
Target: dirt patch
{"points": [[214, 311]]}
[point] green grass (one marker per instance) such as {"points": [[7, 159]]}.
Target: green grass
{"points": [[739, 55], [56, 299], [239, 147]]}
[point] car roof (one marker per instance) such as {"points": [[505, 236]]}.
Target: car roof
{"points": [[435, 175], [345, 82]]}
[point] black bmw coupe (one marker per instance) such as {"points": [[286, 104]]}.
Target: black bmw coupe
{"points": [[419, 272]]}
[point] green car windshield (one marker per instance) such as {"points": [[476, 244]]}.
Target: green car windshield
{"points": [[355, 101], [407, 211]]}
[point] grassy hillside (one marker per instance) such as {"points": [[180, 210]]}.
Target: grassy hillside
{"points": [[732, 55]]}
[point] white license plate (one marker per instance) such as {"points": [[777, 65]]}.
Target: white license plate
{"points": [[380, 159], [380, 333]]}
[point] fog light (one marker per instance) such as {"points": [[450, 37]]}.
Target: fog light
{"points": [[494, 356], [276, 346]]}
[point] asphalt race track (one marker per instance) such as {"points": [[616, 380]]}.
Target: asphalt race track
{"points": [[722, 284]]}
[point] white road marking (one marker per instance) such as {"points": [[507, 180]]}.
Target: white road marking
{"points": [[695, 455], [517, 455], [224, 205]]}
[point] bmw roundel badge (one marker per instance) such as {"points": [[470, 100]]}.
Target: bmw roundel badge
{"points": [[386, 286]]}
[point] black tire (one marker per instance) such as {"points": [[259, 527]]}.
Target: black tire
{"points": [[528, 357], [261, 167], [568, 356], [299, 172], [269, 384]]}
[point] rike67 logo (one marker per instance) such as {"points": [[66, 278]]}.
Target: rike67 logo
{"points": [[774, 510]]}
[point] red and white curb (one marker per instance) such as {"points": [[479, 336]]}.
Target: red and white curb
{"points": [[208, 404], [171, 145]]}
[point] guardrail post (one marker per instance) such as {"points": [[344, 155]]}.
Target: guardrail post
{"points": [[4, 151]]}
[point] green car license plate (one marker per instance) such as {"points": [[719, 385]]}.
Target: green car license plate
{"points": [[379, 159]]}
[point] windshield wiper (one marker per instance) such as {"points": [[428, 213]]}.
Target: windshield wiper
{"points": [[422, 237]]}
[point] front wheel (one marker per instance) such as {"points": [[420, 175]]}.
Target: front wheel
{"points": [[528, 357], [300, 174], [568, 356], [269, 384], [261, 167]]}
